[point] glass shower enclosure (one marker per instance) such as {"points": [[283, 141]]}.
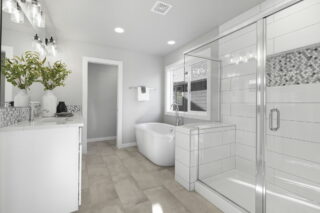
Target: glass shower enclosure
{"points": [[265, 80]]}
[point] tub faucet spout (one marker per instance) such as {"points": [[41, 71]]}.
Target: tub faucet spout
{"points": [[179, 119]]}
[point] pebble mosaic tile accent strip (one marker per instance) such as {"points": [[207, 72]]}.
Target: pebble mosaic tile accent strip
{"points": [[12, 115], [74, 108], [299, 66]]}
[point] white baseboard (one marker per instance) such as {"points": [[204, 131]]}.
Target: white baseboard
{"points": [[125, 145], [89, 140]]}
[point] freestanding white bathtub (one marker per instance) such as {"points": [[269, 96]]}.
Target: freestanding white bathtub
{"points": [[156, 142]]}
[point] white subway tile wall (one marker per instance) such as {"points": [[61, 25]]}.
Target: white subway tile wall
{"points": [[217, 152]]}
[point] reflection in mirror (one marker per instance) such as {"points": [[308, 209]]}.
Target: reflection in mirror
{"points": [[5, 86], [26, 26]]}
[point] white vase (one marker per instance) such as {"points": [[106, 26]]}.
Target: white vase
{"points": [[49, 104], [22, 98]]}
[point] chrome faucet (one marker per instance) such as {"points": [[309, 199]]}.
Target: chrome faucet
{"points": [[179, 119]]}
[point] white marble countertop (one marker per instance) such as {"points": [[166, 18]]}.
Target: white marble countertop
{"points": [[49, 122]]}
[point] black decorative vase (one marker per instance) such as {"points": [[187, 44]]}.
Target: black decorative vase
{"points": [[62, 107]]}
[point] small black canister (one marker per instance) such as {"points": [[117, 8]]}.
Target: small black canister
{"points": [[62, 107]]}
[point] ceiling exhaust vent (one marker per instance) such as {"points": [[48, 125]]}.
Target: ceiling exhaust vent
{"points": [[161, 8]]}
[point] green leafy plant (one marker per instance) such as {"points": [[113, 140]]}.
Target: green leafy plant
{"points": [[54, 76], [23, 71]]}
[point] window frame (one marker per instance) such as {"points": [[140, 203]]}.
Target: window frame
{"points": [[168, 91]]}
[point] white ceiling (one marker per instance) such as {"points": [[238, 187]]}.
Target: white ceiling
{"points": [[94, 20]]}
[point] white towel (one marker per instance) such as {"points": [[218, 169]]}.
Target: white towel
{"points": [[143, 96]]}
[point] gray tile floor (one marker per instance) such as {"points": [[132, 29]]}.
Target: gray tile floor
{"points": [[123, 181]]}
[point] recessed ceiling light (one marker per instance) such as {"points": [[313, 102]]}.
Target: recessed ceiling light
{"points": [[171, 42], [119, 30]]}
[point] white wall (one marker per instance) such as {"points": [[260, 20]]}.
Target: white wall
{"points": [[139, 69], [102, 101]]}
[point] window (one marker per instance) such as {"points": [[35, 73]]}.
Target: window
{"points": [[187, 87]]}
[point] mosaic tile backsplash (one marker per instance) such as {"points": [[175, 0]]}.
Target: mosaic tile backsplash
{"points": [[299, 66], [74, 108], [11, 115]]}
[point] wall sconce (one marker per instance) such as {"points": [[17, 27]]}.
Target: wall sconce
{"points": [[48, 47]]}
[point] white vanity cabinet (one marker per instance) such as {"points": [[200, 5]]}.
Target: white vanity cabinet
{"points": [[40, 168]]}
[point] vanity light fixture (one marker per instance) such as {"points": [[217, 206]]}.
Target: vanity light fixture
{"points": [[37, 15], [40, 20], [48, 47], [37, 45], [17, 16], [8, 6], [30, 8], [171, 42], [34, 10], [119, 30]]}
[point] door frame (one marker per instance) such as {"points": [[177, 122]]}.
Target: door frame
{"points": [[8, 88], [119, 64]]}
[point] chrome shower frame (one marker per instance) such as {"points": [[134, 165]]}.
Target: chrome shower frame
{"points": [[260, 22]]}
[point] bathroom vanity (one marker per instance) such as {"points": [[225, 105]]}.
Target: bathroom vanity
{"points": [[40, 166]]}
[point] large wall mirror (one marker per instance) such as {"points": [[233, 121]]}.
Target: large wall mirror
{"points": [[26, 26]]}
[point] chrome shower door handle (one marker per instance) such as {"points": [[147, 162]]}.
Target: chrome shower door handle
{"points": [[272, 112]]}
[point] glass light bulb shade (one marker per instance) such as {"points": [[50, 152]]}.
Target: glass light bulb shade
{"points": [[17, 17], [37, 45], [8, 6], [40, 20], [34, 11], [42, 51], [52, 49]]}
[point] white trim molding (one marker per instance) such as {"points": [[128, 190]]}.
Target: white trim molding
{"points": [[119, 64], [8, 86], [110, 138], [126, 145]]}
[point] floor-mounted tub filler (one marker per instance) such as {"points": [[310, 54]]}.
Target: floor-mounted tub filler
{"points": [[156, 142]]}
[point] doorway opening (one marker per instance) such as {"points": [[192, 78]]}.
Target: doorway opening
{"points": [[102, 100]]}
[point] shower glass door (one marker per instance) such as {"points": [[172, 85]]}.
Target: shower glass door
{"points": [[292, 148], [227, 153]]}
